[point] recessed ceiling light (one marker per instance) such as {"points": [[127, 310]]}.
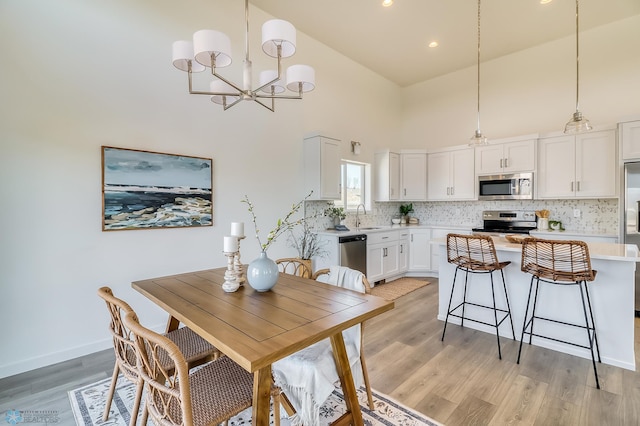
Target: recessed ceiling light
{"points": [[433, 44], [545, 1], [387, 3]]}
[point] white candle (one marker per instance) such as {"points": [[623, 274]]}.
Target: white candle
{"points": [[230, 244], [237, 229]]}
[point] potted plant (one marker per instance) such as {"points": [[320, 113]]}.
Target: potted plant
{"points": [[307, 244], [336, 213], [405, 209]]}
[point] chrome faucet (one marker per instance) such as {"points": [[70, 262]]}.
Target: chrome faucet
{"points": [[357, 216]]}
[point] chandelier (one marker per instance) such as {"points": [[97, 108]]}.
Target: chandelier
{"points": [[578, 123], [478, 139], [212, 49]]}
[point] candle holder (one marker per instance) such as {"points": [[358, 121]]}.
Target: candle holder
{"points": [[238, 266], [231, 283]]}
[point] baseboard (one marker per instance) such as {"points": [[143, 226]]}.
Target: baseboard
{"points": [[45, 360]]}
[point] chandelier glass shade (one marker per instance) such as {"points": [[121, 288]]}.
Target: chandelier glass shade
{"points": [[212, 49], [478, 138], [578, 123]]}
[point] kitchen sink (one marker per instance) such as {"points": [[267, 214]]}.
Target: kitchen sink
{"points": [[368, 228]]}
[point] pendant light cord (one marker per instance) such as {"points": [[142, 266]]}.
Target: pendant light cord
{"points": [[478, 107], [577, 60]]}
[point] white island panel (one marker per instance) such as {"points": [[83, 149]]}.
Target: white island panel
{"points": [[612, 298]]}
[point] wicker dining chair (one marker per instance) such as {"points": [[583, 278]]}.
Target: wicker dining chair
{"points": [[476, 254], [565, 263], [209, 395], [195, 349], [279, 398], [295, 266]]}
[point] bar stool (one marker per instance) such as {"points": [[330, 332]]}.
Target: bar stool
{"points": [[565, 263], [476, 254]]}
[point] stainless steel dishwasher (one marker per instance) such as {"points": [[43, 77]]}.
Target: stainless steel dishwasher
{"points": [[353, 252]]}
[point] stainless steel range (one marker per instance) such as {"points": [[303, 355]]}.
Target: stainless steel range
{"points": [[507, 222]]}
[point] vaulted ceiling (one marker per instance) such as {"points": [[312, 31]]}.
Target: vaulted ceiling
{"points": [[393, 41]]}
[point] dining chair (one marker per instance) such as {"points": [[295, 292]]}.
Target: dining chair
{"points": [[316, 361], [196, 350], [295, 266], [208, 395]]}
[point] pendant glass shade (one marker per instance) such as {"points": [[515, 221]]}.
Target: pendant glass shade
{"points": [[478, 139], [577, 124]]}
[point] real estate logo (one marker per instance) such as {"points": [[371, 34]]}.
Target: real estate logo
{"points": [[13, 417]]}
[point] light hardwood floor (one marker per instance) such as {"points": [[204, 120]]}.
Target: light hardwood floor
{"points": [[459, 381]]}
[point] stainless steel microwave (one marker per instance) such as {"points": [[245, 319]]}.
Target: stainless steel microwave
{"points": [[506, 187]]}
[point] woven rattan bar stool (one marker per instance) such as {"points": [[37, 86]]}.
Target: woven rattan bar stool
{"points": [[476, 254], [565, 263]]}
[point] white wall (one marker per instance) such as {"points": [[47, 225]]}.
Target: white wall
{"points": [[76, 75], [532, 91]]}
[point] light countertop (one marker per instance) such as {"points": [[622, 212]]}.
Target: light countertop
{"points": [[604, 251], [382, 228]]}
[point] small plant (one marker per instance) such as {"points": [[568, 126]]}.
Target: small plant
{"points": [[405, 209], [335, 212], [307, 243]]}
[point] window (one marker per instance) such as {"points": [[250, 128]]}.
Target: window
{"points": [[354, 184]]}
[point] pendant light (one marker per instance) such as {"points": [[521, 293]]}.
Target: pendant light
{"points": [[578, 123], [478, 139]]}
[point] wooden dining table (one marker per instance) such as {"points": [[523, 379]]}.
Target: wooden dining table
{"points": [[255, 329]]}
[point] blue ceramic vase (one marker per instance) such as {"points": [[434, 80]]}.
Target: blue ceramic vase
{"points": [[262, 273]]}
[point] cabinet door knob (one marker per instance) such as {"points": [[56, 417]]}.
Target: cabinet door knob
{"points": [[572, 186], [405, 191], [578, 186], [506, 162], [501, 161]]}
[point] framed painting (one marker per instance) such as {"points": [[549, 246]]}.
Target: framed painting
{"points": [[146, 190]]}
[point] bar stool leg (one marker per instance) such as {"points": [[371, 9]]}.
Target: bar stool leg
{"points": [[446, 320], [526, 314], [586, 321], [506, 295], [464, 296], [495, 315], [533, 311], [595, 334]]}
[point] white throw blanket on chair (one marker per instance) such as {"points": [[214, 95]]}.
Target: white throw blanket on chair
{"points": [[308, 377]]}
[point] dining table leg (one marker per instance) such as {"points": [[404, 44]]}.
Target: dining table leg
{"points": [[261, 396], [346, 381], [172, 324]]}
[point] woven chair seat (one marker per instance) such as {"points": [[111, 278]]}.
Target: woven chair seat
{"points": [[475, 265], [219, 388], [561, 276], [192, 346]]}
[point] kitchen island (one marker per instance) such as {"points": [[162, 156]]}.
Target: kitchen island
{"points": [[612, 298]]}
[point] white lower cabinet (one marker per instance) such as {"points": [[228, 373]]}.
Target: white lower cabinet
{"points": [[420, 250], [441, 233], [403, 251], [383, 255]]}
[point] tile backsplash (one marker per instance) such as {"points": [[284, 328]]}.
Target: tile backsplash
{"points": [[596, 216]]}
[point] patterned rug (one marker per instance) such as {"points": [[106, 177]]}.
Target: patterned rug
{"points": [[88, 404], [394, 289]]}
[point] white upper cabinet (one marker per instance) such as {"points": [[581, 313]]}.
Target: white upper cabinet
{"points": [[413, 166], [451, 175], [387, 176], [582, 166], [322, 167], [630, 135], [400, 176], [507, 157]]}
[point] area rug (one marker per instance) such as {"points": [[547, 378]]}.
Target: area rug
{"points": [[394, 289], [87, 404]]}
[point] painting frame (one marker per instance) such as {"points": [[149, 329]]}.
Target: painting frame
{"points": [[155, 190]]}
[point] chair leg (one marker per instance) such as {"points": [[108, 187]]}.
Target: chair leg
{"points": [[586, 322], [506, 295], [446, 320], [533, 311], [112, 389], [593, 323], [136, 403], [365, 374], [495, 315], [526, 314]]}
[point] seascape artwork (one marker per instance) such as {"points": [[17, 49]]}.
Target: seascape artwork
{"points": [[143, 190]]}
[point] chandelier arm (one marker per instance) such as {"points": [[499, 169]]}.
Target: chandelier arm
{"points": [[267, 96], [226, 107], [271, 108], [279, 72]]}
